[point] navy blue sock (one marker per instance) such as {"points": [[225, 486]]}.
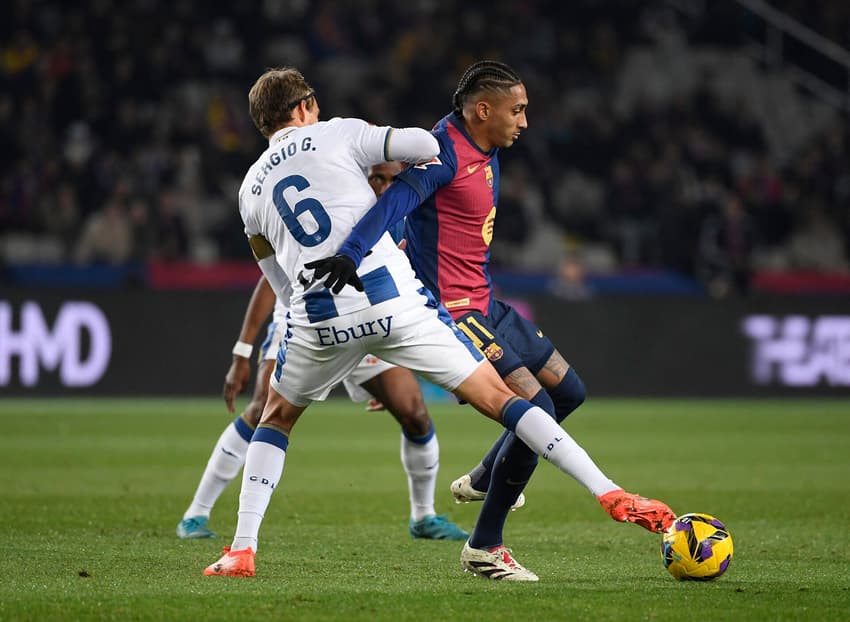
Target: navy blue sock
{"points": [[512, 467], [568, 395], [480, 475]]}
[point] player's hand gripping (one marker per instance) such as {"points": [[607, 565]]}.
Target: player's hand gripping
{"points": [[340, 270]]}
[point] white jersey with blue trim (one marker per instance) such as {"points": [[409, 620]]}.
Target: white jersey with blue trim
{"points": [[303, 196], [280, 311]]}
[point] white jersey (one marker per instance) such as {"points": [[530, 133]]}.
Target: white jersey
{"points": [[281, 302], [304, 195], [299, 202], [280, 311]]}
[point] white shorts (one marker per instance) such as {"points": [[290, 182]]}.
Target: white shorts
{"points": [[367, 369], [409, 331], [273, 341]]}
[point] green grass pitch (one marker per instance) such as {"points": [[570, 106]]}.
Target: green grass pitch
{"points": [[92, 491]]}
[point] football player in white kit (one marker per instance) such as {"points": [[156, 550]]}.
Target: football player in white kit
{"points": [[394, 387], [298, 202]]}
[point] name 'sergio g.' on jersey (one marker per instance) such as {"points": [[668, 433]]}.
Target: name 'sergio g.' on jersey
{"points": [[302, 197]]}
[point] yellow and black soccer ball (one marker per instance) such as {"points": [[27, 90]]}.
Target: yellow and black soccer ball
{"points": [[697, 547]]}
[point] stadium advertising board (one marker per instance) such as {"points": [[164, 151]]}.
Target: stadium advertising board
{"points": [[660, 346], [59, 348], [117, 342], [178, 343], [799, 351]]}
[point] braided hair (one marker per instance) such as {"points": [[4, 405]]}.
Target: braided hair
{"points": [[485, 75]]}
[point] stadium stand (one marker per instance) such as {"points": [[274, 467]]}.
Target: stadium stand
{"points": [[665, 139]]}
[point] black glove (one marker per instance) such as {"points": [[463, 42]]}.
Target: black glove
{"points": [[340, 270]]}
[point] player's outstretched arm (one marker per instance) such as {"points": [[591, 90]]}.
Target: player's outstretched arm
{"points": [[341, 269], [406, 145], [396, 203]]}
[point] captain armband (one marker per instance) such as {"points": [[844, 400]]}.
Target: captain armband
{"points": [[260, 247]]}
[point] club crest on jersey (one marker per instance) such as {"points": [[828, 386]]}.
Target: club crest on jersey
{"points": [[424, 165], [488, 175], [493, 352]]}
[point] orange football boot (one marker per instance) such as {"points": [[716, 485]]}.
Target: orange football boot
{"points": [[626, 507], [233, 564]]}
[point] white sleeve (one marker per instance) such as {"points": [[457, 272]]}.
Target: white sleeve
{"points": [[411, 144], [264, 254], [276, 277], [372, 144]]}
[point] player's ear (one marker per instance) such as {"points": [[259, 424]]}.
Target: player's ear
{"points": [[301, 110], [482, 109]]}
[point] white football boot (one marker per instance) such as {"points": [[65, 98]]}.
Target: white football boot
{"points": [[498, 564], [463, 492]]}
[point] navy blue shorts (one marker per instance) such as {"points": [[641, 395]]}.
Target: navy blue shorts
{"points": [[507, 339]]}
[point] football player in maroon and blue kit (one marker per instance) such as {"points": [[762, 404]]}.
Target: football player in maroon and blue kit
{"points": [[448, 243]]}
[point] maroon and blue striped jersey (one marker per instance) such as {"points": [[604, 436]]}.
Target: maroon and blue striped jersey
{"points": [[450, 204]]}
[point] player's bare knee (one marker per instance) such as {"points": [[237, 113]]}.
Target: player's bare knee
{"points": [[280, 413], [253, 412], [414, 420]]}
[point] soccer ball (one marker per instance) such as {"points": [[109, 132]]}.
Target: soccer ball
{"points": [[696, 547]]}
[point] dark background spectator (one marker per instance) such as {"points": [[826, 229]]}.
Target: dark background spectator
{"points": [[727, 239], [643, 115]]}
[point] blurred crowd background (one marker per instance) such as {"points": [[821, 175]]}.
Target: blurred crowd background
{"points": [[663, 135]]}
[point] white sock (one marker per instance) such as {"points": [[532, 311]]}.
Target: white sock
{"points": [[263, 468], [421, 462], [549, 440], [226, 459]]}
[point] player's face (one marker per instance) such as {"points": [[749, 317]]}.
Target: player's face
{"points": [[381, 176], [507, 120]]}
